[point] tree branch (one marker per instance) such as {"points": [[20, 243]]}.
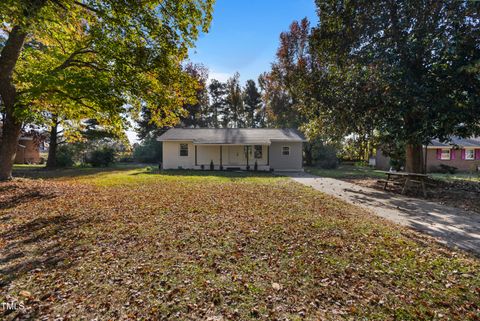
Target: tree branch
{"points": [[68, 62]]}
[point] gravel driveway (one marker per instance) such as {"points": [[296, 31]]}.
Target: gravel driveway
{"points": [[450, 226]]}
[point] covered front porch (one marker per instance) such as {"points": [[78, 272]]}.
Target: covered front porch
{"points": [[232, 156]]}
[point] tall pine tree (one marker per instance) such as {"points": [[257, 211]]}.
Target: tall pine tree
{"points": [[252, 103]]}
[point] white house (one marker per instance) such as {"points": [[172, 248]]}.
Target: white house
{"points": [[233, 148]]}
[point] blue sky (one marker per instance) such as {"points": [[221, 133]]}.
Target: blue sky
{"points": [[244, 35]]}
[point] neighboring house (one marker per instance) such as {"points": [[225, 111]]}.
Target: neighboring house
{"points": [[29, 146], [382, 162], [233, 148], [462, 153], [28, 151]]}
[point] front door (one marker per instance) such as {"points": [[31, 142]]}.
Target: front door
{"points": [[236, 155]]}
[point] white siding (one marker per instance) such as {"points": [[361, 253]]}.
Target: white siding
{"points": [[232, 155], [206, 154], [294, 161], [172, 158]]}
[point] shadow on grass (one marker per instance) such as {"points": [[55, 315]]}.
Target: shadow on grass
{"points": [[25, 196], [38, 245], [454, 227], [44, 173]]}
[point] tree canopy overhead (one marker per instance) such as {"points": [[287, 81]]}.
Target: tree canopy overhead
{"points": [[406, 68], [398, 72], [96, 57]]}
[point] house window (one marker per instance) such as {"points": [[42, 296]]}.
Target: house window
{"points": [[469, 154], [286, 150], [183, 149], [258, 151], [445, 155]]}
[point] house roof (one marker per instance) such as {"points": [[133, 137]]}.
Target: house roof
{"points": [[239, 136], [461, 142]]}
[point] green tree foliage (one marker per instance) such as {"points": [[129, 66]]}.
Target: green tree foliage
{"points": [[146, 127], [218, 92], [252, 103], [149, 151], [95, 57], [288, 92], [65, 156], [77, 147], [101, 157], [408, 69], [324, 155], [233, 113], [196, 113], [356, 147]]}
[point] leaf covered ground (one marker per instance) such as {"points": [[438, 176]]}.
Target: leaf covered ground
{"points": [[134, 245], [460, 190]]}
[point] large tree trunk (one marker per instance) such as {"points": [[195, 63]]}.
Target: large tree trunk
{"points": [[308, 154], [8, 148], [53, 144], [414, 158], [12, 126]]}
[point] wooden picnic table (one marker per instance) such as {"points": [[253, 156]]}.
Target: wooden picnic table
{"points": [[407, 179]]}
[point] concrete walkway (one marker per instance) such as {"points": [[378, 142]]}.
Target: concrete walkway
{"points": [[450, 226]]}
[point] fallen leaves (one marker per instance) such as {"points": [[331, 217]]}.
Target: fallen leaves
{"points": [[219, 248]]}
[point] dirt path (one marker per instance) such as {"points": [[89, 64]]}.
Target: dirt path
{"points": [[450, 226]]}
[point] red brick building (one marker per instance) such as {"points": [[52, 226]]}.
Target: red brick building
{"points": [[462, 153], [28, 151], [29, 146]]}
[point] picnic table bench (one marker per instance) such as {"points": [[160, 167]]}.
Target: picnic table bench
{"points": [[406, 178]]}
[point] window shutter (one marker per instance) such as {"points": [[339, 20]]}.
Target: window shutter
{"points": [[439, 153], [463, 154], [477, 153], [452, 154]]}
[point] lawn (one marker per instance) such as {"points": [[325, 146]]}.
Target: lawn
{"points": [[138, 244], [360, 172], [472, 177], [347, 171]]}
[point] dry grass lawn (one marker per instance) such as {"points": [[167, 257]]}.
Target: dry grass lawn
{"points": [[134, 245]]}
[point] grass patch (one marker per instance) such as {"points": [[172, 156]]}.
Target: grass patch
{"points": [[359, 172], [346, 171], [135, 244], [471, 177]]}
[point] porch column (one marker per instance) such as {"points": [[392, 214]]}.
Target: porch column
{"points": [[268, 155], [195, 155], [221, 163]]}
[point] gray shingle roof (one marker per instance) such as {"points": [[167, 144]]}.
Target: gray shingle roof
{"points": [[232, 135], [462, 142]]}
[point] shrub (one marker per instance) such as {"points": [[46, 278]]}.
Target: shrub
{"points": [[65, 156], [101, 157], [361, 163], [212, 167], [325, 156], [397, 164], [150, 151], [447, 169]]}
